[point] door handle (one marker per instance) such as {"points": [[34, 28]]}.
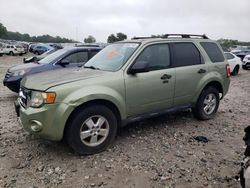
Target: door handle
{"points": [[166, 76], [202, 71]]}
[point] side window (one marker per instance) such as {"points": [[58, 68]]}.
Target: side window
{"points": [[8, 46], [186, 54], [229, 56], [92, 53], [157, 56], [78, 57], [213, 51]]}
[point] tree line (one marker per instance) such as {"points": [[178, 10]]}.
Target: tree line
{"points": [[227, 43], [111, 38], [9, 35]]}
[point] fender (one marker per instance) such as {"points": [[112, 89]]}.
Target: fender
{"points": [[91, 93], [211, 77]]}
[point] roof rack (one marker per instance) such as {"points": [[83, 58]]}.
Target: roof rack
{"points": [[144, 37], [174, 35], [185, 36]]}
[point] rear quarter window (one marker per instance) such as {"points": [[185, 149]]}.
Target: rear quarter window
{"points": [[213, 51]]}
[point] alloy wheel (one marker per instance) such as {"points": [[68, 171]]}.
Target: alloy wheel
{"points": [[94, 130]]}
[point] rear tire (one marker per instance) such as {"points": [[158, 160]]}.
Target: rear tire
{"points": [[11, 53], [207, 104], [91, 129], [236, 70]]}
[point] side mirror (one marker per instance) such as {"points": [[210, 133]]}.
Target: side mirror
{"points": [[64, 62], [139, 67]]}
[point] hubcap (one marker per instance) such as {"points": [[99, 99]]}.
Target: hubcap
{"points": [[209, 103], [94, 130]]}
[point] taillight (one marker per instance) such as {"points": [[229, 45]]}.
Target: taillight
{"points": [[228, 71]]}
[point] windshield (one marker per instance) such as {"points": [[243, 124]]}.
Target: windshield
{"points": [[52, 57], [113, 57]]}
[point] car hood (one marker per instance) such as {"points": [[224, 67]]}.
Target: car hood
{"points": [[23, 67], [43, 81]]}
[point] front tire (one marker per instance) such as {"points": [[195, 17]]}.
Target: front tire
{"points": [[244, 67], [91, 129], [11, 53], [207, 104]]}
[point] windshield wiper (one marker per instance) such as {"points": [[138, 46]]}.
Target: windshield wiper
{"points": [[91, 67]]}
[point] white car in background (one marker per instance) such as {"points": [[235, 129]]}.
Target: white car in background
{"points": [[234, 63], [246, 62], [12, 49]]}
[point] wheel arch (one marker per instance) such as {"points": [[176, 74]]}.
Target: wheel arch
{"points": [[103, 102], [213, 83], [217, 85]]}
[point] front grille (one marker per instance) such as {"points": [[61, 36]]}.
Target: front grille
{"points": [[7, 75], [24, 97]]}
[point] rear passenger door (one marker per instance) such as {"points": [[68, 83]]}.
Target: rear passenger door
{"points": [[190, 69]]}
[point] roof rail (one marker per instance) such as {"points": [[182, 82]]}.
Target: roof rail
{"points": [[144, 37], [185, 36], [174, 35]]}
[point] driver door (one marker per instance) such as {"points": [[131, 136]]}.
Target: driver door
{"points": [[152, 90]]}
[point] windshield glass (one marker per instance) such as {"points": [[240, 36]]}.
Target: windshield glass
{"points": [[52, 57], [113, 57]]}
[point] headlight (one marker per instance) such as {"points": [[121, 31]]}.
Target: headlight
{"points": [[38, 98], [18, 73]]}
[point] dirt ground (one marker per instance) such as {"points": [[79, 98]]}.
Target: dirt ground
{"points": [[159, 152]]}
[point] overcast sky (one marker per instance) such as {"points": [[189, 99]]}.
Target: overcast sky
{"points": [[77, 19]]}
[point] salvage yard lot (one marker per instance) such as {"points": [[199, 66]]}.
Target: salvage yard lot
{"points": [[159, 152]]}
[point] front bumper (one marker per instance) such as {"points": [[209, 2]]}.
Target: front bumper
{"points": [[46, 122], [13, 83], [246, 65]]}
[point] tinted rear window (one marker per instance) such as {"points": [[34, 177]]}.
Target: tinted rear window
{"points": [[213, 51], [186, 54]]}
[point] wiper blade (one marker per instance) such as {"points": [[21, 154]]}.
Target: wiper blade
{"points": [[91, 67]]}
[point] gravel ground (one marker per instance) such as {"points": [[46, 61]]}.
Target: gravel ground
{"points": [[159, 152]]}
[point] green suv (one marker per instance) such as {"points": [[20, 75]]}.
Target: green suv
{"points": [[125, 82]]}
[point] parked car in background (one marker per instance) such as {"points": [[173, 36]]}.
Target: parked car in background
{"points": [[13, 50], [64, 58], [234, 62], [40, 49], [32, 46], [39, 57], [56, 46], [246, 62], [242, 53], [25, 46], [126, 82], [1, 49]]}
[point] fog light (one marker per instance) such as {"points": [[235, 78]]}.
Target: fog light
{"points": [[35, 125]]}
